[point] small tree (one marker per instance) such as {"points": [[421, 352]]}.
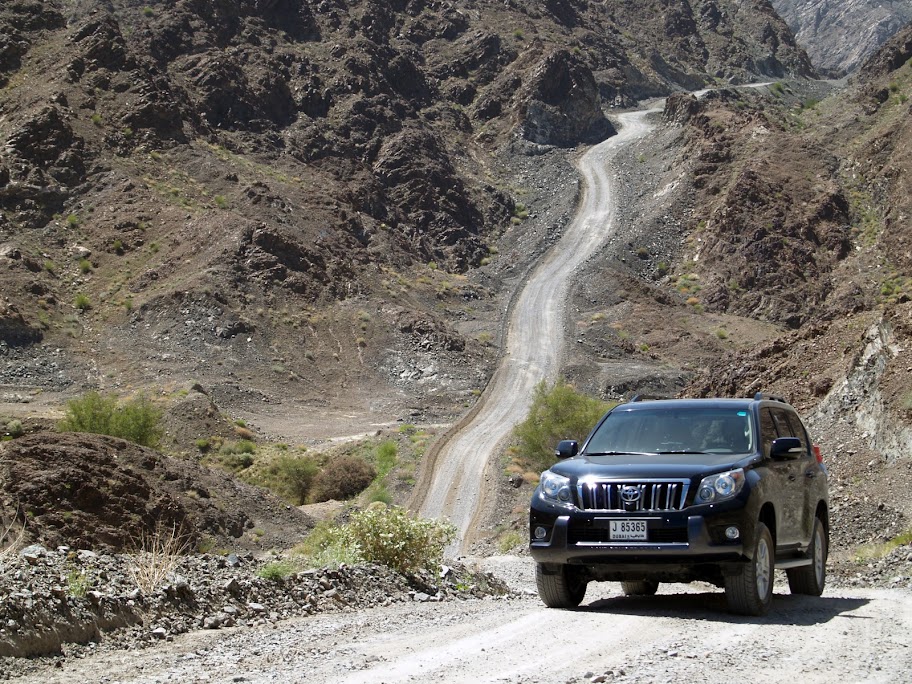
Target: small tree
{"points": [[296, 476], [558, 412]]}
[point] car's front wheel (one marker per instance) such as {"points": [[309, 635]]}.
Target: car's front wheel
{"points": [[810, 579], [563, 587], [639, 588], [751, 591]]}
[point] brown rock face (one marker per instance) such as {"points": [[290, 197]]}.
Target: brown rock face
{"points": [[91, 491], [561, 105]]}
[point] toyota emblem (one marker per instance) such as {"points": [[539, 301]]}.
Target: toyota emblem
{"points": [[630, 494]]}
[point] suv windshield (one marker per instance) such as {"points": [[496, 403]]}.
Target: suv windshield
{"points": [[678, 430]]}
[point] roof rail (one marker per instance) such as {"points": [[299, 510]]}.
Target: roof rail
{"points": [[769, 397]]}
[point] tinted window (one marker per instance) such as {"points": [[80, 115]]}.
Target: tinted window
{"points": [[798, 429], [776, 422], [768, 430], [698, 429]]}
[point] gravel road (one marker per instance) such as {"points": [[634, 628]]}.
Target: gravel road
{"points": [[681, 634], [533, 344]]}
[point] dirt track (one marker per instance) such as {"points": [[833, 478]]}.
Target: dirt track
{"points": [[533, 345], [682, 634]]}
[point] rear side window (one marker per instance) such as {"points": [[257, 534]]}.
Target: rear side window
{"points": [[775, 422]]}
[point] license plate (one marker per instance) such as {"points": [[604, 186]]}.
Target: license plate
{"points": [[628, 530]]}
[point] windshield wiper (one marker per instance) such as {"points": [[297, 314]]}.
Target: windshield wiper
{"points": [[682, 451], [620, 453]]}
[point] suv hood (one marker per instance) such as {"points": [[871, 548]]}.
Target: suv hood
{"points": [[631, 466]]}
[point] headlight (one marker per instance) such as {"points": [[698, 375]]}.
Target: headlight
{"points": [[721, 487], [555, 487]]}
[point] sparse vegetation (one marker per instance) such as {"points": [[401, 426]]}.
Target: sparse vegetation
{"points": [[869, 552], [279, 570], [136, 420], [78, 583]]}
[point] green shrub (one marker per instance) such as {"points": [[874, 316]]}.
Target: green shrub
{"points": [[390, 536], [82, 302], [14, 428], [342, 478], [558, 412], [85, 266], [386, 457], [137, 420], [244, 446], [233, 461], [328, 545], [277, 571]]}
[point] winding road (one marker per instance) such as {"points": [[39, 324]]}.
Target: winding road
{"points": [[453, 485]]}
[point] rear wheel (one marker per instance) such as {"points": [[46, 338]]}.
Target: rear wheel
{"points": [[639, 588], [564, 588], [751, 592], [810, 579]]}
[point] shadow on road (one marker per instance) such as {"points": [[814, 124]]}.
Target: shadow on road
{"points": [[786, 609]]}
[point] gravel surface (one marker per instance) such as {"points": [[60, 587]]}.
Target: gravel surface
{"points": [[366, 624]]}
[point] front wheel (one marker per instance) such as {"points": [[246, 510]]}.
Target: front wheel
{"points": [[751, 592], [810, 579], [563, 588]]}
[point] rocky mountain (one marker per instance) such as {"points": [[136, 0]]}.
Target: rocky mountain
{"points": [[840, 34], [304, 199]]}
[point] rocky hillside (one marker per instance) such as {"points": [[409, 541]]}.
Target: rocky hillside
{"points": [[304, 201], [840, 34]]}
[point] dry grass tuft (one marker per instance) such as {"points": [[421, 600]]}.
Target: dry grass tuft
{"points": [[11, 539], [158, 554]]}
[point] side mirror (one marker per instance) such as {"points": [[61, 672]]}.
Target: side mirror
{"points": [[567, 448], [786, 447]]}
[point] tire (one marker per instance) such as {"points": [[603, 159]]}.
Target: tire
{"points": [[639, 588], [563, 589], [751, 592], [810, 579]]}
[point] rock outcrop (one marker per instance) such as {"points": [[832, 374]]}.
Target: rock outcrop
{"points": [[840, 34]]}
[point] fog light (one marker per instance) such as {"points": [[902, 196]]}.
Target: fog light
{"points": [[732, 533], [541, 532]]}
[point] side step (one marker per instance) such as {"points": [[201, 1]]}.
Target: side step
{"points": [[793, 563]]}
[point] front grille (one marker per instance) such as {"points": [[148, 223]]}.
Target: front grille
{"points": [[632, 496]]}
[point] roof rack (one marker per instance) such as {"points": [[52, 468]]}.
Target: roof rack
{"points": [[644, 396], [769, 397]]}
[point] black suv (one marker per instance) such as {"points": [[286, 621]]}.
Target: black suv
{"points": [[718, 490]]}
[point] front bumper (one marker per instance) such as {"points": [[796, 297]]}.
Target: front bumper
{"points": [[697, 544]]}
